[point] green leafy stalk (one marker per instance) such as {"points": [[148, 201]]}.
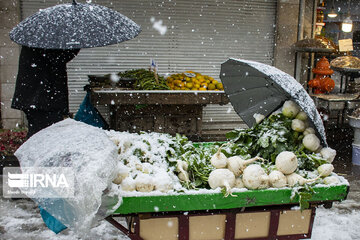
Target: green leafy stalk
{"points": [[304, 193]]}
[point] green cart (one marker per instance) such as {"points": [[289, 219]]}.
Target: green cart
{"points": [[250, 214]]}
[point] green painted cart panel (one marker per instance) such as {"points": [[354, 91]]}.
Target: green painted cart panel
{"points": [[249, 198]]}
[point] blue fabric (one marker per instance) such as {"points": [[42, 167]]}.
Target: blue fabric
{"points": [[87, 113], [52, 223]]}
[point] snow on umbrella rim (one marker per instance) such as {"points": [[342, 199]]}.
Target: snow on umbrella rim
{"points": [[76, 25], [254, 87]]}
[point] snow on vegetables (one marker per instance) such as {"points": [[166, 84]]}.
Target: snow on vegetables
{"points": [[123, 172], [128, 184], [144, 183], [164, 182]]}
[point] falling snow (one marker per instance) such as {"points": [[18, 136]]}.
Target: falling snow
{"points": [[158, 26]]}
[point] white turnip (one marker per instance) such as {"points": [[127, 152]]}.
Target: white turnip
{"points": [[286, 162], [184, 176], [254, 177], [258, 117], [302, 116], [222, 178], [328, 154], [277, 179], [237, 165], [181, 168], [311, 142], [144, 183], [294, 178], [309, 130], [290, 109], [128, 184], [239, 183], [163, 182], [331, 180], [219, 160], [123, 172], [297, 125], [325, 169]]}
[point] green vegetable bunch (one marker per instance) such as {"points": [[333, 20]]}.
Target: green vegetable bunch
{"points": [[145, 79], [198, 160], [271, 137]]}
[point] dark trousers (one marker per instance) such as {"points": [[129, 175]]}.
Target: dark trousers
{"points": [[38, 119]]}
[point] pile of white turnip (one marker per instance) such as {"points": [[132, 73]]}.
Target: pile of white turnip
{"points": [[235, 172], [239, 173], [143, 165]]}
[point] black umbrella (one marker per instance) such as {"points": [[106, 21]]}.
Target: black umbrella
{"points": [[254, 87], [76, 25]]}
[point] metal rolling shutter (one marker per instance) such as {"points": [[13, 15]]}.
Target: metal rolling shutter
{"points": [[200, 36]]}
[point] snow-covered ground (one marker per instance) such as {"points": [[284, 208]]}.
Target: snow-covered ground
{"points": [[20, 219]]}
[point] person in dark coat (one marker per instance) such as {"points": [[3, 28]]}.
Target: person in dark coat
{"points": [[41, 90]]}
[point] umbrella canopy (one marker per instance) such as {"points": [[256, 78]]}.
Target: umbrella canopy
{"points": [[76, 25], [253, 87]]}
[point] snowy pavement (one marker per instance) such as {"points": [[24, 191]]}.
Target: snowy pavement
{"points": [[20, 219]]}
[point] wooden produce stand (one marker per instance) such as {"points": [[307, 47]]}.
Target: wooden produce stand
{"points": [[164, 111], [251, 214]]}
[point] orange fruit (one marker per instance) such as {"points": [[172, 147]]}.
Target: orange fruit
{"points": [[211, 86], [219, 86], [189, 85]]}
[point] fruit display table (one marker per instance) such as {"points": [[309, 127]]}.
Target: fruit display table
{"points": [[158, 111]]}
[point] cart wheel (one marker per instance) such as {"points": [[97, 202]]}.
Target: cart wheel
{"points": [[328, 205]]}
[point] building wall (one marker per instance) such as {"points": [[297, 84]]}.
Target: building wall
{"points": [[287, 35], [9, 54], [284, 55], [287, 29]]}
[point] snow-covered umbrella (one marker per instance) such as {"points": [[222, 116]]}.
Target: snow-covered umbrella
{"points": [[73, 26], [254, 87]]}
